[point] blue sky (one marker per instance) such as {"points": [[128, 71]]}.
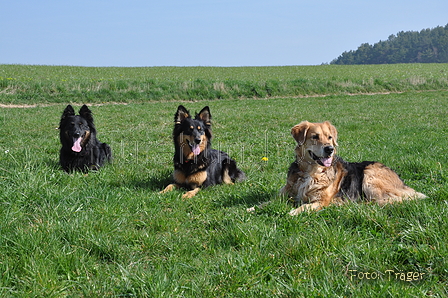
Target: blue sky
{"points": [[202, 32]]}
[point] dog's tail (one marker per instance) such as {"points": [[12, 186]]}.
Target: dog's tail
{"points": [[239, 176], [108, 151], [234, 172], [419, 195]]}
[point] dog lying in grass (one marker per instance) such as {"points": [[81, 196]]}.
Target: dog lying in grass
{"points": [[318, 177], [81, 150], [196, 165]]}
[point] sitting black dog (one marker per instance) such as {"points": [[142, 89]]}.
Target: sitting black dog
{"points": [[81, 150]]}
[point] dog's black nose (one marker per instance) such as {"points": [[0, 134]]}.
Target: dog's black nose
{"points": [[197, 140], [329, 150], [76, 135]]}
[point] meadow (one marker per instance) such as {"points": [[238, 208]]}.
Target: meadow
{"points": [[111, 234], [28, 84]]}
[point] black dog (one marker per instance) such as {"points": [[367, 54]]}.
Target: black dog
{"points": [[196, 165], [81, 150]]}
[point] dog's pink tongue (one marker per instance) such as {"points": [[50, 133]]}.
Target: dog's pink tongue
{"points": [[326, 161], [196, 150], [77, 145]]}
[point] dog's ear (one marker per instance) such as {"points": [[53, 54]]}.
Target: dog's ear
{"points": [[334, 133], [205, 116], [181, 114], [299, 132], [68, 111], [86, 113]]}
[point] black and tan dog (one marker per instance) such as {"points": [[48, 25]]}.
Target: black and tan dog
{"points": [[319, 178], [81, 150], [196, 165]]}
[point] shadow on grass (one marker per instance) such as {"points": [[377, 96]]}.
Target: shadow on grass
{"points": [[249, 198], [153, 183]]}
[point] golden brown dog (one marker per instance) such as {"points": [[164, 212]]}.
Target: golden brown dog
{"points": [[319, 177]]}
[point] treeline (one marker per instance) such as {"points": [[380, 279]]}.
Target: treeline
{"points": [[426, 46]]}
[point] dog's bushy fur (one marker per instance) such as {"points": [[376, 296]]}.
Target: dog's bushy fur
{"points": [[318, 177], [81, 150], [196, 165]]}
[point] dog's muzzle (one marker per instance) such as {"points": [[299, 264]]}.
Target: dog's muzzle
{"points": [[194, 146], [326, 160]]}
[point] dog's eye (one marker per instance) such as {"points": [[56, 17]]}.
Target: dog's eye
{"points": [[315, 137], [330, 137]]}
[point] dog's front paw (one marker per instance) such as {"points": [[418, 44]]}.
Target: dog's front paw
{"points": [[191, 193], [305, 207], [188, 195], [295, 212], [169, 188]]}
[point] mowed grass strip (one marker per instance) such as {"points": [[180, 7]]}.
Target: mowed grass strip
{"points": [[31, 84], [110, 233]]}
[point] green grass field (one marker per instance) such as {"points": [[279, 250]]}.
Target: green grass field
{"points": [[29, 84], [111, 234]]}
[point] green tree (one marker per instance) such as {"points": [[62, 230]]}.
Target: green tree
{"points": [[426, 46]]}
